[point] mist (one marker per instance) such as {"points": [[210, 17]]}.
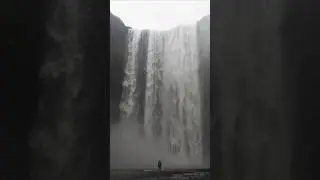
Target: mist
{"points": [[128, 150]]}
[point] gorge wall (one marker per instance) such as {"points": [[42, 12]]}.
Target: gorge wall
{"points": [[118, 59]]}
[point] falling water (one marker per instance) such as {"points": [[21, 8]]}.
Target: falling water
{"points": [[171, 117], [129, 83]]}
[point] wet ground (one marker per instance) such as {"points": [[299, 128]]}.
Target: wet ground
{"points": [[152, 174]]}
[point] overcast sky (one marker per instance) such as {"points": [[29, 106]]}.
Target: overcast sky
{"points": [[159, 14]]}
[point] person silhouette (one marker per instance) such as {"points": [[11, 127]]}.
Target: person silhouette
{"points": [[159, 165]]}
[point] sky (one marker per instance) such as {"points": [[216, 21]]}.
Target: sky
{"points": [[159, 14]]}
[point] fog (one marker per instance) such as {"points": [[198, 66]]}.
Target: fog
{"points": [[128, 150]]}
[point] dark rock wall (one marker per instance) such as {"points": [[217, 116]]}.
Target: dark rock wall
{"points": [[118, 59]]}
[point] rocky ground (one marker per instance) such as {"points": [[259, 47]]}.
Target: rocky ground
{"points": [[200, 174]]}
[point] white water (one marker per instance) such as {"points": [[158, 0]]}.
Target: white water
{"points": [[129, 83], [172, 119]]}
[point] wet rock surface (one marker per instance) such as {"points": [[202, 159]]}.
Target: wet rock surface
{"points": [[118, 60]]}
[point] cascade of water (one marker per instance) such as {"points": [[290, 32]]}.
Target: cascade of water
{"points": [[153, 111], [128, 101], [182, 90], [172, 102]]}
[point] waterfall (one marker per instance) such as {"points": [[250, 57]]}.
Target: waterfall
{"points": [[161, 91]]}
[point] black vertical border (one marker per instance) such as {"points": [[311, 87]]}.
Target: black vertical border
{"points": [[215, 124], [24, 30], [107, 87], [23, 33]]}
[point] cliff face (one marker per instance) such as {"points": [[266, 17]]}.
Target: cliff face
{"points": [[118, 59]]}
